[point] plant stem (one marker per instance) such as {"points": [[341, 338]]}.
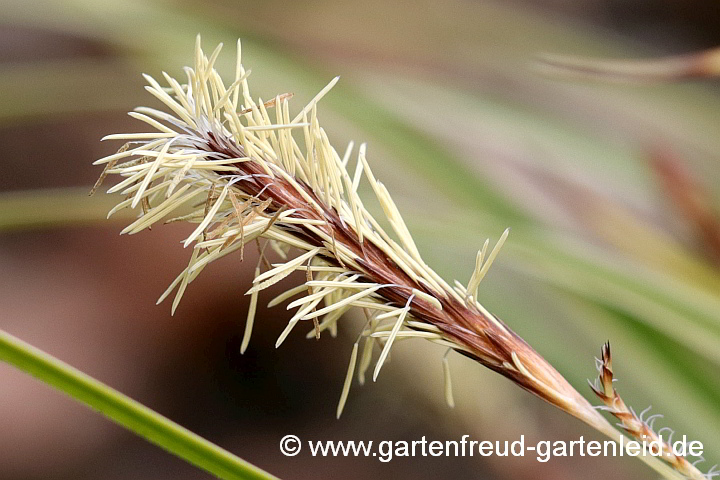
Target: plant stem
{"points": [[127, 412]]}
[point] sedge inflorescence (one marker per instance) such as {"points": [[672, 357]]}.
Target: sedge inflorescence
{"points": [[247, 171]]}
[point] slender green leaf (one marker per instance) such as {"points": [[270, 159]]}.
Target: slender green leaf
{"points": [[127, 412]]}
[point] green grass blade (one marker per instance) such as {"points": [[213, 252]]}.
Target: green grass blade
{"points": [[126, 411], [41, 208]]}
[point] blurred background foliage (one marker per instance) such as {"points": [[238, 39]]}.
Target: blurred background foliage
{"points": [[611, 192]]}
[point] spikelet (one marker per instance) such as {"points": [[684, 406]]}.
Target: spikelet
{"points": [[634, 424], [243, 173]]}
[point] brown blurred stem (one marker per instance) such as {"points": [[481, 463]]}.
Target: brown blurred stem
{"points": [[666, 69], [690, 199]]}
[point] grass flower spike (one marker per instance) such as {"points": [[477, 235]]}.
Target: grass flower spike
{"points": [[248, 171]]}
